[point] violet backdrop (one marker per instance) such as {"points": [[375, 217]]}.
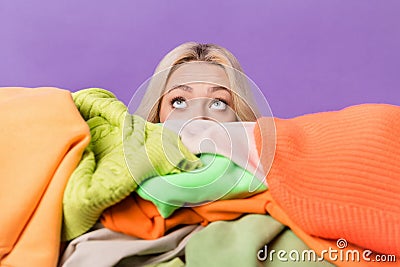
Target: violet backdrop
{"points": [[305, 55]]}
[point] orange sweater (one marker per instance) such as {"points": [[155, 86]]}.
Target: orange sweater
{"points": [[42, 137], [337, 174]]}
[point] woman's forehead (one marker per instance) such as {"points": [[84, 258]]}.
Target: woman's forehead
{"points": [[197, 72]]}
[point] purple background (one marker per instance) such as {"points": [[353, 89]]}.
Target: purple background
{"points": [[305, 55]]}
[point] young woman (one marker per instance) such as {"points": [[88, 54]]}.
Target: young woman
{"points": [[335, 174], [198, 80]]}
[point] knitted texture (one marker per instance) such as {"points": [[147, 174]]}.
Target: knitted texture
{"points": [[124, 150], [336, 174]]}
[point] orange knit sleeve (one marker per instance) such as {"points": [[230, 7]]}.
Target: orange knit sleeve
{"points": [[336, 174]]}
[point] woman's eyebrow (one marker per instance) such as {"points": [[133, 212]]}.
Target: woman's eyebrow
{"points": [[182, 87], [189, 89], [217, 88]]}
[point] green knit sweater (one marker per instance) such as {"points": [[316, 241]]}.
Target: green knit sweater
{"points": [[124, 151]]}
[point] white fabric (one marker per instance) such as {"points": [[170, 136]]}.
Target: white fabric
{"points": [[104, 247], [234, 140]]}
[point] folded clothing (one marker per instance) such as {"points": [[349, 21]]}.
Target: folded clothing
{"points": [[336, 174], [140, 218], [220, 178], [333, 171], [256, 236], [234, 140], [338, 251], [42, 140], [175, 262], [103, 248], [124, 150]]}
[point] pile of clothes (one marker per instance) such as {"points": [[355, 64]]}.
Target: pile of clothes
{"points": [[115, 190]]}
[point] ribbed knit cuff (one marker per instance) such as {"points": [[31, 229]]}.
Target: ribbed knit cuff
{"points": [[336, 174]]}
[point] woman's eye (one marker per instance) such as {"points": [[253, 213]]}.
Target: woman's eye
{"points": [[218, 104], [179, 103]]}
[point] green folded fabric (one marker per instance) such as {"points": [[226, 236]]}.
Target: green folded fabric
{"points": [[124, 150], [220, 178], [175, 262], [248, 241]]}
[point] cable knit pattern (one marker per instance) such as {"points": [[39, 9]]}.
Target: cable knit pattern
{"points": [[124, 150], [336, 174]]}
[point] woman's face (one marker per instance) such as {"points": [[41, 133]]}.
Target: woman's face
{"points": [[197, 90]]}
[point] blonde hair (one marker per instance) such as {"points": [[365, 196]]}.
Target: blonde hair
{"points": [[242, 98]]}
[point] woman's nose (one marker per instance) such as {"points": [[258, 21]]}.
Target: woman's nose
{"points": [[200, 110]]}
